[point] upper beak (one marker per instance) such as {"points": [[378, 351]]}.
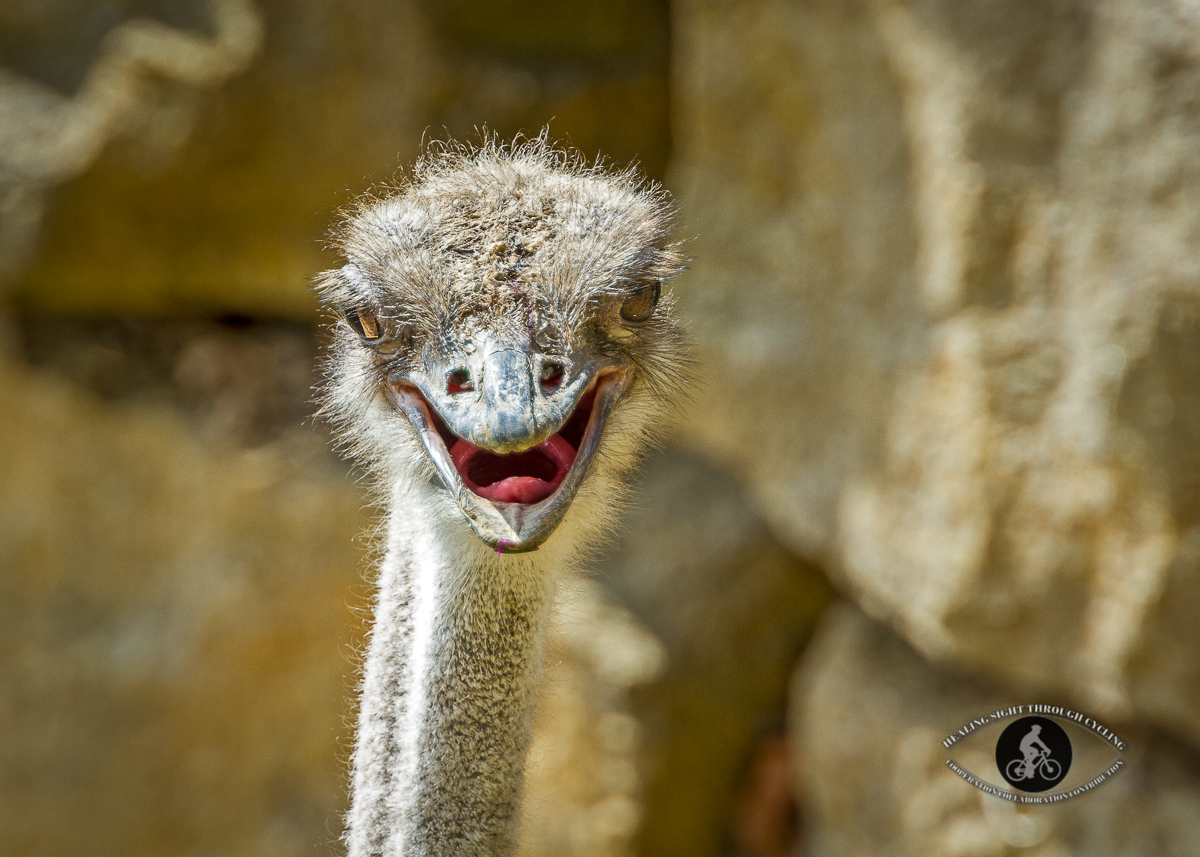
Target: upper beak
{"points": [[511, 413]]}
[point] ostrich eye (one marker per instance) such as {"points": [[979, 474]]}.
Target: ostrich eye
{"points": [[364, 322], [640, 304]]}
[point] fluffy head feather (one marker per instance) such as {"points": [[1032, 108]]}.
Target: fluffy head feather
{"points": [[521, 239]]}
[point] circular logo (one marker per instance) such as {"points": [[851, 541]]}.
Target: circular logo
{"points": [[1033, 754]]}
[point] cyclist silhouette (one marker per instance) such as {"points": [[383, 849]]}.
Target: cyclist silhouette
{"points": [[1037, 758], [1034, 737], [1033, 754]]}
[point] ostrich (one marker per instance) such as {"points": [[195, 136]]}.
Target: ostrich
{"points": [[504, 354]]}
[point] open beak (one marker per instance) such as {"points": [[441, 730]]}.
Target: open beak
{"points": [[512, 461]]}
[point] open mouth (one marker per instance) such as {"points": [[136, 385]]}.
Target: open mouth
{"points": [[515, 501], [523, 477]]}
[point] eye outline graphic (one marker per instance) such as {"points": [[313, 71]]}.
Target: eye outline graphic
{"points": [[1097, 759]]}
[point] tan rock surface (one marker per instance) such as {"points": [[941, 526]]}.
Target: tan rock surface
{"points": [[733, 610], [220, 204], [175, 632], [868, 716], [947, 298], [140, 83]]}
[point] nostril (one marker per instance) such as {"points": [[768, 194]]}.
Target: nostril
{"points": [[552, 374], [459, 381]]}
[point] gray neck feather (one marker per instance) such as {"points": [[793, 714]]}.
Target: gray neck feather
{"points": [[448, 693]]}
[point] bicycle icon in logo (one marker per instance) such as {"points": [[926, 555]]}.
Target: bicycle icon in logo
{"points": [[1033, 754], [1044, 767]]}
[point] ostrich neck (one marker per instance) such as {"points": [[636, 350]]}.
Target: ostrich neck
{"points": [[449, 687]]}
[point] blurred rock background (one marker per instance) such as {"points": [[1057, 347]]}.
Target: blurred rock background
{"points": [[947, 304]]}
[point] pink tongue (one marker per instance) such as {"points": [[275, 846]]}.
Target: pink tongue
{"points": [[516, 489]]}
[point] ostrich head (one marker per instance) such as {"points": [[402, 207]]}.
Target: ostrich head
{"points": [[504, 335]]}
